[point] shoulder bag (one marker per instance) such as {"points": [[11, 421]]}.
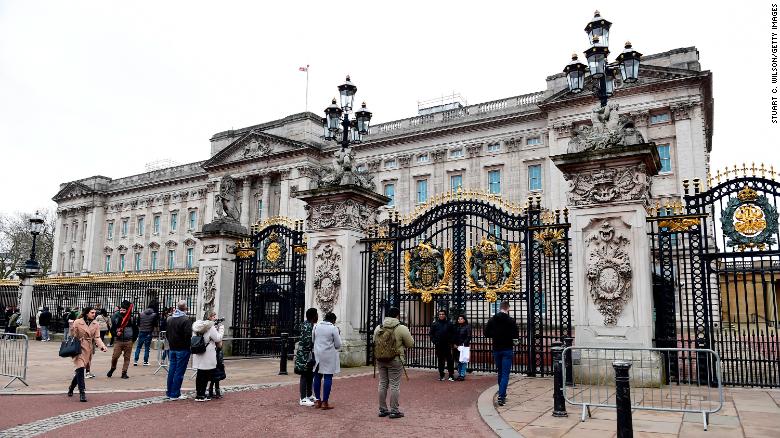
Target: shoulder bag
{"points": [[70, 348]]}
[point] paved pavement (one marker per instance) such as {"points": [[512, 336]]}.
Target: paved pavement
{"points": [[746, 413]]}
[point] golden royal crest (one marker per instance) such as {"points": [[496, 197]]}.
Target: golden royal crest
{"points": [[492, 267], [428, 270], [749, 221], [274, 252]]}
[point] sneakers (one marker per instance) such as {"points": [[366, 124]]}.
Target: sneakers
{"points": [[451, 379], [181, 397], [441, 378], [89, 376], [396, 415], [501, 401], [146, 364], [135, 364], [383, 413], [306, 402], [312, 398], [200, 398]]}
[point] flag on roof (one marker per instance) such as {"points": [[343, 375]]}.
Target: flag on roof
{"points": [[304, 68]]}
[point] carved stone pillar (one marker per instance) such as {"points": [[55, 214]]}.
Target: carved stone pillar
{"points": [[58, 241], [608, 192], [266, 196], [284, 195], [216, 273], [337, 219], [245, 199], [210, 189]]}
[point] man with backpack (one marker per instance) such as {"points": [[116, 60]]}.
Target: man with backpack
{"points": [[390, 339]]}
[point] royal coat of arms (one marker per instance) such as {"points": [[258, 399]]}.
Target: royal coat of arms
{"points": [[428, 270], [749, 221], [274, 252], [492, 267]]}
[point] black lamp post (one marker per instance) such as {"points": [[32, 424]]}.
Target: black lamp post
{"points": [[352, 131], [35, 227], [601, 71]]}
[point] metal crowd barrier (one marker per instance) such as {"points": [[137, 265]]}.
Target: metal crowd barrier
{"points": [[660, 379], [13, 357], [163, 356]]}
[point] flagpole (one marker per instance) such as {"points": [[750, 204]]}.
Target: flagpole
{"points": [[307, 87]]}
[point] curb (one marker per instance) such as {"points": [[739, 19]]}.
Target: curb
{"points": [[492, 418]]}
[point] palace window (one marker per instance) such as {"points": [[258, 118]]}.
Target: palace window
{"points": [[121, 263], [494, 181], [456, 182], [108, 263], [156, 224], [140, 225], [174, 220], [535, 177], [138, 261], [171, 258], [110, 231], [124, 228], [660, 118], [422, 191], [153, 265], [75, 231], [390, 193], [260, 209], [391, 164], [84, 230], [193, 219], [532, 141], [424, 158], [65, 233], [190, 254], [456, 153], [494, 147], [665, 152]]}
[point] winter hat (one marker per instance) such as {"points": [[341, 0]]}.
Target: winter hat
{"points": [[125, 304]]}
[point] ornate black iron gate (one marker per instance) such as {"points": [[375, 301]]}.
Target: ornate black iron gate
{"points": [[270, 283], [717, 274], [467, 252]]}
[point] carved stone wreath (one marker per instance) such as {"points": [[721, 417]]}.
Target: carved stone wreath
{"points": [[608, 271], [327, 277], [608, 185]]}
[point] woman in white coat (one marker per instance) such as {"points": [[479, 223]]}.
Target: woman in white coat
{"points": [[327, 342], [206, 362]]}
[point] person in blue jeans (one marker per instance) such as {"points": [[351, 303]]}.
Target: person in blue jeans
{"points": [[146, 324], [502, 328], [179, 333]]}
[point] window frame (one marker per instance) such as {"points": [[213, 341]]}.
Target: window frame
{"points": [[173, 221], [137, 261], [390, 203], [391, 163], [417, 183], [190, 258], [156, 224], [107, 263], [668, 118], [124, 227], [494, 147], [453, 189], [171, 262], [110, 230], [153, 259], [668, 146], [457, 153], [490, 183], [537, 142], [140, 224], [192, 220], [541, 177]]}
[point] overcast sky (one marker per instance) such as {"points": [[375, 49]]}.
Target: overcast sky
{"points": [[103, 87]]}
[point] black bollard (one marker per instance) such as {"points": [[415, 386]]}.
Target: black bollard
{"points": [[568, 342], [625, 427], [559, 403], [283, 359]]}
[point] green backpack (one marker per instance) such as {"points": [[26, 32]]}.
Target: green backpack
{"points": [[384, 347]]}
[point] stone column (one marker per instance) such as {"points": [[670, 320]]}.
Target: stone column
{"points": [[245, 199], [284, 195], [216, 268], [338, 217], [25, 302], [608, 192], [266, 179], [209, 210], [55, 257]]}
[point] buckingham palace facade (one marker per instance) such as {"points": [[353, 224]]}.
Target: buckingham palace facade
{"points": [[148, 221]]}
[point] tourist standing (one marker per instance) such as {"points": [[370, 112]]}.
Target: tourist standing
{"points": [[503, 329], [206, 362], [327, 342], [124, 332], [443, 336], [304, 362], [390, 339], [146, 325], [87, 332], [178, 334], [43, 323], [462, 341], [102, 320]]}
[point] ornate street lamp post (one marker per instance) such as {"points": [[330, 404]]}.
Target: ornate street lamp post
{"points": [[35, 226], [601, 71], [352, 131]]}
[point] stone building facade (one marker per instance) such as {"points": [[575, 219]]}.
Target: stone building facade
{"points": [[147, 221]]}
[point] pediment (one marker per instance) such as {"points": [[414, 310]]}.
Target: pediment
{"points": [[254, 145], [154, 245], [73, 189], [171, 244], [190, 243]]}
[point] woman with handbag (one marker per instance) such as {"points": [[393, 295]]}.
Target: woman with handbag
{"points": [[304, 358], [327, 342], [87, 333], [205, 361]]}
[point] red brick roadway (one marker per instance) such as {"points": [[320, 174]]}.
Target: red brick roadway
{"points": [[432, 408]]}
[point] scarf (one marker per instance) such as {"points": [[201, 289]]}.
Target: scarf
{"points": [[125, 320]]}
